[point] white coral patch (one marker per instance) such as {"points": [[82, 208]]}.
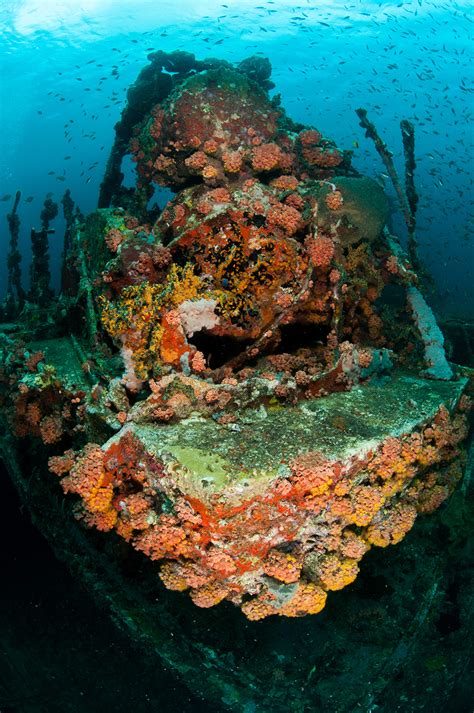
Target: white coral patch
{"points": [[198, 314]]}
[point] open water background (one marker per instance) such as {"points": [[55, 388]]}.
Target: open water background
{"points": [[65, 66]]}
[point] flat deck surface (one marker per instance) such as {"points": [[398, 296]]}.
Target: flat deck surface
{"points": [[262, 441]]}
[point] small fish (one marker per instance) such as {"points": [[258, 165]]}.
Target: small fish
{"points": [[29, 199], [355, 144], [6, 197], [60, 178]]}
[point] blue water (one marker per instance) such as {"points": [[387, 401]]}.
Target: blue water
{"points": [[66, 66]]}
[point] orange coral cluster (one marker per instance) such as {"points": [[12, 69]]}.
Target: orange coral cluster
{"points": [[318, 152], [93, 482], [241, 135], [320, 250], [283, 566], [334, 200], [245, 257], [262, 229], [279, 551], [266, 157], [42, 406]]}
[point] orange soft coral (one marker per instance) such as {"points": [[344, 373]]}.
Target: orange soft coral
{"points": [[209, 595], [161, 540], [309, 137], [334, 572], [312, 473], [170, 575], [366, 502], [285, 183], [283, 566], [232, 161], [308, 599], [334, 200], [196, 161], [322, 157], [90, 479], [320, 250], [51, 429], [285, 217], [391, 525], [266, 157]]}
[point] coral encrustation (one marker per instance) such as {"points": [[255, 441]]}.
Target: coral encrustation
{"points": [[238, 512]]}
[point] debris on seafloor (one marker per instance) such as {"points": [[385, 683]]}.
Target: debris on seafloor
{"points": [[255, 391]]}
